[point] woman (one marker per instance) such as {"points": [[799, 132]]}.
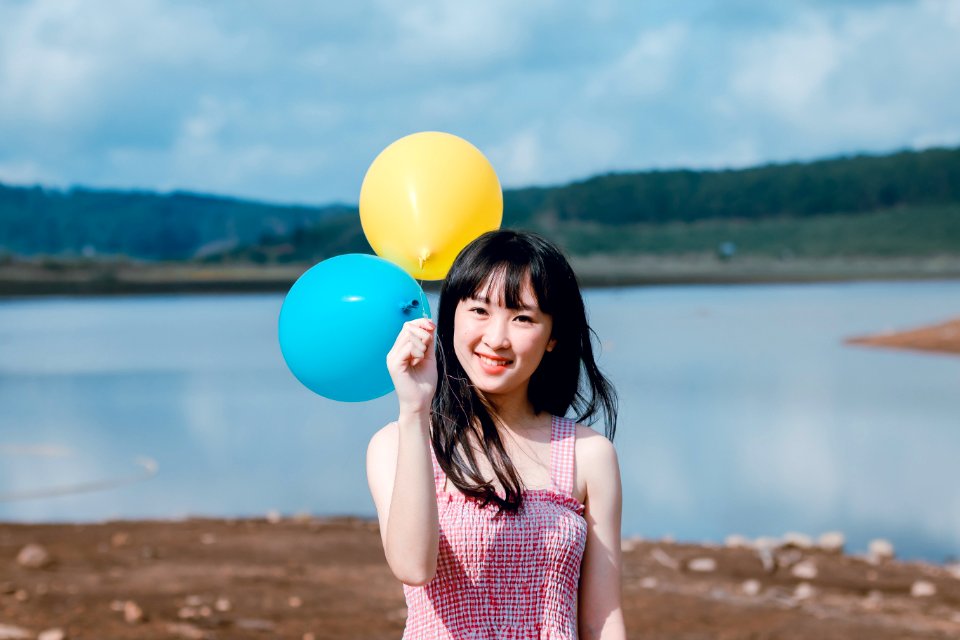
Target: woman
{"points": [[500, 516]]}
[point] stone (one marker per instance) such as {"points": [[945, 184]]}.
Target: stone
{"points": [[766, 542], [798, 540], [208, 538], [923, 589], [295, 602], [736, 541], [120, 539], [185, 630], [52, 634], [649, 582], [21, 595], [751, 587], [309, 636], [132, 613], [702, 565], [193, 601], [880, 550], [805, 570], [831, 542], [803, 591], [273, 516], [34, 556], [222, 604], [254, 624], [10, 632]]}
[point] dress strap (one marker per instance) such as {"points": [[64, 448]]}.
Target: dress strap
{"points": [[439, 477], [562, 445]]}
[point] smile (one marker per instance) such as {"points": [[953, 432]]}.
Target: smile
{"points": [[492, 361]]}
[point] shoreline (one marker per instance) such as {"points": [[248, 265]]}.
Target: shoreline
{"points": [[27, 279], [307, 578]]}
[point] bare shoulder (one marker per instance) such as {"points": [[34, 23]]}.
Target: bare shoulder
{"points": [[593, 447], [384, 437], [596, 461]]}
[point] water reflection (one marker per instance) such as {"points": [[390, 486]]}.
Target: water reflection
{"points": [[742, 411]]}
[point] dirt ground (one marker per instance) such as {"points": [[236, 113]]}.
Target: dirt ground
{"points": [[314, 578], [941, 338]]}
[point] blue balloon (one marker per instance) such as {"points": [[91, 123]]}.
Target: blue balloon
{"points": [[340, 319]]}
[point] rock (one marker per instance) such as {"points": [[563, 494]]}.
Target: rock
{"points": [[222, 604], [208, 538], [873, 599], [193, 601], [205, 611], [21, 595], [786, 558], [10, 632], [309, 636], [132, 613], [702, 565], [803, 591], [649, 582], [116, 605], [805, 570], [664, 558], [120, 539], [831, 542], [52, 634], [751, 587], [766, 542], [736, 541], [668, 539], [880, 550], [254, 624], [798, 540], [6, 588], [295, 602], [273, 516], [923, 589], [186, 613], [627, 545], [185, 630], [34, 556], [954, 570]]}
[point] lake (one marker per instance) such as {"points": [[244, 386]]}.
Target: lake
{"points": [[742, 411]]}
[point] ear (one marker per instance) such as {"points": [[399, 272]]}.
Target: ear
{"points": [[551, 344]]}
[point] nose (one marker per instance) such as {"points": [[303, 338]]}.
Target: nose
{"points": [[496, 336]]}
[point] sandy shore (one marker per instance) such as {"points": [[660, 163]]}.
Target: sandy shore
{"points": [[942, 338], [306, 578]]}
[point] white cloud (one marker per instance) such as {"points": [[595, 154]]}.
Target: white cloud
{"points": [[292, 102]]}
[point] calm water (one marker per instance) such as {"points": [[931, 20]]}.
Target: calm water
{"points": [[742, 412]]}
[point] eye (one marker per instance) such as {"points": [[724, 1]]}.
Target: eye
{"points": [[524, 318], [478, 310]]}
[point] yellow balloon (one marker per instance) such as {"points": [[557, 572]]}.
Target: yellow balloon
{"points": [[424, 198]]}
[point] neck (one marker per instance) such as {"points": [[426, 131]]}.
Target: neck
{"points": [[514, 411]]}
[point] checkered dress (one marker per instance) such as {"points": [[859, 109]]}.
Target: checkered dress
{"points": [[514, 577]]}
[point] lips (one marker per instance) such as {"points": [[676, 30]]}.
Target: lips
{"points": [[493, 364]]}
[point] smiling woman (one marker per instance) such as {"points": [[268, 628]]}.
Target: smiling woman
{"points": [[525, 540]]}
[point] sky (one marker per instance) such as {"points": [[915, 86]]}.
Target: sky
{"points": [[291, 101]]}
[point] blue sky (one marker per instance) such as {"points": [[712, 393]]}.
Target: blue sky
{"points": [[291, 101]]}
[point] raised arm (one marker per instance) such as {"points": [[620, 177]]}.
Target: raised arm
{"points": [[600, 601], [399, 471]]}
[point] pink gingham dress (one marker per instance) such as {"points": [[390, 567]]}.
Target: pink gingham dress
{"points": [[513, 577]]}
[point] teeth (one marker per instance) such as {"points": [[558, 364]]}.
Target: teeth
{"points": [[494, 363]]}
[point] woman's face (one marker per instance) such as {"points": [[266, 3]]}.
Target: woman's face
{"points": [[500, 348]]}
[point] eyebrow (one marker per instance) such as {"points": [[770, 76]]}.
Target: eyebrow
{"points": [[486, 300]]}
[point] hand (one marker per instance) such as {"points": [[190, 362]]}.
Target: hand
{"points": [[413, 365]]}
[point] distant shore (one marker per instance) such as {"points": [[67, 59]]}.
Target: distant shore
{"points": [[46, 277], [306, 578]]}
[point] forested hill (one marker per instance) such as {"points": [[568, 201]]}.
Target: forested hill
{"points": [[841, 185], [815, 208], [141, 224]]}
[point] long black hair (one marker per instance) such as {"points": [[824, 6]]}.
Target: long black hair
{"points": [[567, 377]]}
